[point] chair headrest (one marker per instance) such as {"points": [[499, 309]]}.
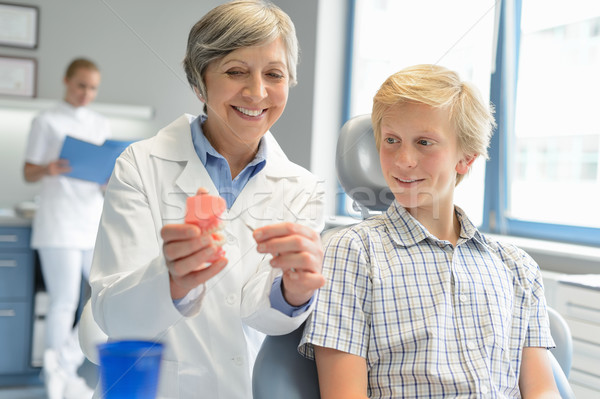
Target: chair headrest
{"points": [[358, 167]]}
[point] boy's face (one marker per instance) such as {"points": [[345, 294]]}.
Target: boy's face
{"points": [[420, 157]]}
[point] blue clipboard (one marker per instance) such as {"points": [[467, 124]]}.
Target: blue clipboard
{"points": [[89, 161]]}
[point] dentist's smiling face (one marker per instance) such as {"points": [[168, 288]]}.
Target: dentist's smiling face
{"points": [[247, 91], [420, 156]]}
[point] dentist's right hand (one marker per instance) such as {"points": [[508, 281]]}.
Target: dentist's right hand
{"points": [[186, 251]]}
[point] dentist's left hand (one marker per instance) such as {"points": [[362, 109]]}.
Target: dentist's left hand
{"points": [[298, 252]]}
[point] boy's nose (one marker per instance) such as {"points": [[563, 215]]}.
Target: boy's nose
{"points": [[406, 157]]}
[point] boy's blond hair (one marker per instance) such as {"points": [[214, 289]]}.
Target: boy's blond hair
{"points": [[439, 87]]}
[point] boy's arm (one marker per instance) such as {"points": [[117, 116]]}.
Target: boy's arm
{"points": [[536, 380], [341, 375]]}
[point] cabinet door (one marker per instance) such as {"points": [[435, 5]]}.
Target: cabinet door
{"points": [[14, 237], [14, 348], [580, 306], [16, 270]]}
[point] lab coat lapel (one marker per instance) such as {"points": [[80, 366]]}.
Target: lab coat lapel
{"points": [[194, 176], [174, 144]]}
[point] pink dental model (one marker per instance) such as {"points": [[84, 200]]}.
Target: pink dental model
{"points": [[204, 211]]}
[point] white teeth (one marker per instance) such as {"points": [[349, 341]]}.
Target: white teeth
{"points": [[214, 230], [218, 228], [249, 112], [407, 181]]}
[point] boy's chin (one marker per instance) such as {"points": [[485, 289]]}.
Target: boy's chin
{"points": [[421, 202], [407, 201]]}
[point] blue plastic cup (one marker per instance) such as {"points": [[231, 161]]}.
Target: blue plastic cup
{"points": [[129, 369]]}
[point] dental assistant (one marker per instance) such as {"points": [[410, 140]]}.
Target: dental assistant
{"points": [[66, 221], [150, 276]]}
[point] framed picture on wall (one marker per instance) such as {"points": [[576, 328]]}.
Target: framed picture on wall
{"points": [[19, 25], [18, 76]]}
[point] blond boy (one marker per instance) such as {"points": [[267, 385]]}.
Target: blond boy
{"points": [[419, 303]]}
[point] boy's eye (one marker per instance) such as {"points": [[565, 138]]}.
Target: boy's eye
{"points": [[390, 140], [424, 142]]}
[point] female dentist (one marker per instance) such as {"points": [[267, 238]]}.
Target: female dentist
{"points": [[150, 275]]}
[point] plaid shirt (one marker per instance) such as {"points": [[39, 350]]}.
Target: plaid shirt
{"points": [[431, 320]]}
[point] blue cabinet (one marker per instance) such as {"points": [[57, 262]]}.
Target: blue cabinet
{"points": [[17, 271], [14, 320]]}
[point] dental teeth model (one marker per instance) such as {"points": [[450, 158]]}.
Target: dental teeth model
{"points": [[204, 211]]}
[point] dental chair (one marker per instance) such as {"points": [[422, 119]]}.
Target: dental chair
{"points": [[358, 169], [280, 371], [562, 355]]}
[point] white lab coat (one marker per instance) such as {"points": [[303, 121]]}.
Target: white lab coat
{"points": [[211, 353]]}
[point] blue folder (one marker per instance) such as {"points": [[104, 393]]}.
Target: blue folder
{"points": [[90, 161]]}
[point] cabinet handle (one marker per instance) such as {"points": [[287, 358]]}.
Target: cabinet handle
{"points": [[7, 313], [8, 238], [8, 263]]}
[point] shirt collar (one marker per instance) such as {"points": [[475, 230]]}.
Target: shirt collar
{"points": [[405, 230], [203, 147], [66, 107], [467, 228]]}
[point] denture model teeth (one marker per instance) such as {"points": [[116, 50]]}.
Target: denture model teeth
{"points": [[204, 211]]}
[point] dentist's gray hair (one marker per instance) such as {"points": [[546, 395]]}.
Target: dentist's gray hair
{"points": [[235, 25]]}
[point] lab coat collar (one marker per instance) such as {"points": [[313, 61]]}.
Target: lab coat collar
{"points": [[174, 143]]}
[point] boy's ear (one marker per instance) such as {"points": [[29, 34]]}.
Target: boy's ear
{"points": [[463, 166]]}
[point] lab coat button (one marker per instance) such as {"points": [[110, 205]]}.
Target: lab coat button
{"points": [[231, 240], [238, 360], [231, 299]]}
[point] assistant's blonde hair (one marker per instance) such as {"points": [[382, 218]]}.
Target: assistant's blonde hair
{"points": [[80, 63], [235, 25], [439, 87]]}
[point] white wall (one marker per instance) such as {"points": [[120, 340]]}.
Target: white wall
{"points": [[139, 46]]}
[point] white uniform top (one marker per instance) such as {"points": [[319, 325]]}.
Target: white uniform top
{"points": [[69, 209]]}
